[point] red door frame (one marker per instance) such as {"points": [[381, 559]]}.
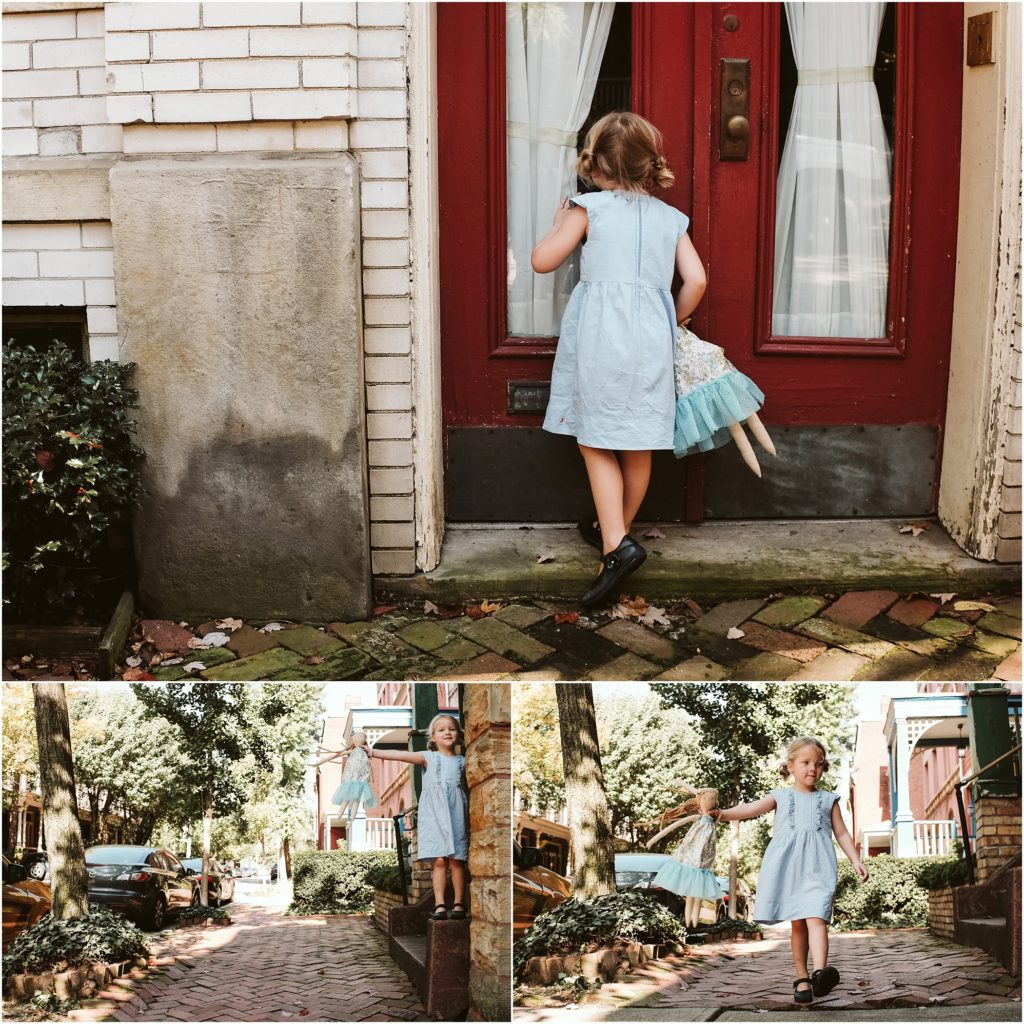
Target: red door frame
{"points": [[807, 381]]}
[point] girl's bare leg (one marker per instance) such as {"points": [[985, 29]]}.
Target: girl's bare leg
{"points": [[817, 933], [605, 475], [439, 879], [636, 477], [459, 881], [798, 943]]}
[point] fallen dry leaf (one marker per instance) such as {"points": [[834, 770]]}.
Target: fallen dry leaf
{"points": [[194, 666], [654, 534], [201, 643], [429, 608], [973, 606], [229, 624], [489, 607], [541, 559], [133, 662], [313, 659], [566, 617], [943, 598], [172, 661], [693, 607], [383, 609], [137, 675], [915, 529], [734, 633], [655, 617], [271, 627], [630, 607], [474, 611]]}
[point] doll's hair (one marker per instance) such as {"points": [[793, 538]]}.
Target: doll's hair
{"points": [[795, 747], [626, 148], [689, 806], [431, 745], [360, 732]]}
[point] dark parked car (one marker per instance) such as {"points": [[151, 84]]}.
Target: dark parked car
{"points": [[637, 871], [25, 900], [535, 888], [221, 883], [144, 883]]}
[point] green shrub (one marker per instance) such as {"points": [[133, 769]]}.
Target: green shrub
{"points": [[100, 937], [583, 925], [944, 873], [199, 913], [334, 881], [70, 478], [893, 897], [385, 877], [729, 924]]}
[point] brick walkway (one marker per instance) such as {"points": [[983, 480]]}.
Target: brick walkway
{"points": [[879, 969], [264, 967], [862, 635]]}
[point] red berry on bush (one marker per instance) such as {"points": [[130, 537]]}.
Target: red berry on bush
{"points": [[45, 461]]}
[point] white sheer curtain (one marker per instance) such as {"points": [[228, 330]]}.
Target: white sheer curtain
{"points": [[553, 56], [834, 191]]}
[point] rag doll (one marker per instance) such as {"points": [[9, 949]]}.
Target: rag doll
{"points": [[356, 778], [713, 401], [689, 872]]}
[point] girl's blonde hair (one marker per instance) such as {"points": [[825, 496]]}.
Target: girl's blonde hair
{"points": [[795, 747], [625, 148], [431, 745]]}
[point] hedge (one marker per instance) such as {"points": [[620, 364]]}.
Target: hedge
{"points": [[385, 877], [334, 881], [99, 937]]}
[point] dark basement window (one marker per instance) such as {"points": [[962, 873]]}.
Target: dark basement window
{"points": [[40, 327]]}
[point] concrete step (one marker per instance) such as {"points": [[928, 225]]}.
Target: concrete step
{"points": [[710, 561], [410, 953], [987, 933]]}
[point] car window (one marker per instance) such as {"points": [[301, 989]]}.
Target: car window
{"points": [[116, 855], [173, 864]]}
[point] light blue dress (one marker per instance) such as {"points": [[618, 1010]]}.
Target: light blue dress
{"points": [[612, 384], [442, 818], [689, 872], [799, 871]]}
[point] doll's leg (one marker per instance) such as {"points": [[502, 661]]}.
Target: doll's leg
{"points": [[636, 477], [692, 918], [439, 880], [757, 428], [458, 869], [737, 434], [605, 475], [817, 933], [798, 944]]}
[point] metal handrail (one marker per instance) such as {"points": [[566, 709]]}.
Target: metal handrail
{"points": [[958, 788], [400, 852]]}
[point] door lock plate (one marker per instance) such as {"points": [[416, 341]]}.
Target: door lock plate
{"points": [[734, 121]]}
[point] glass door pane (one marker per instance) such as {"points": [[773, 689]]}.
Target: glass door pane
{"points": [[834, 184]]}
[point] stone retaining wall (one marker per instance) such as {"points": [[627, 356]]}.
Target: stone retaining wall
{"points": [[382, 904]]}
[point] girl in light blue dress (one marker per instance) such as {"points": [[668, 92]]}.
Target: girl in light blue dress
{"points": [[442, 814], [797, 881], [612, 384]]}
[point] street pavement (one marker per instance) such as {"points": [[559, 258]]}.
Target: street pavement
{"points": [[265, 966], [875, 635], [905, 974]]}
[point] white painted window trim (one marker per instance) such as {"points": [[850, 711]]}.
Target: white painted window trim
{"points": [[424, 226]]}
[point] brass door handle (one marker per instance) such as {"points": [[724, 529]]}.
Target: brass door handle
{"points": [[734, 122]]}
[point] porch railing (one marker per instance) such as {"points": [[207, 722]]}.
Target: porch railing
{"points": [[380, 834], [933, 838]]}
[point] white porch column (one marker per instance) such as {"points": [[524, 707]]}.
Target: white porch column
{"points": [[902, 815]]}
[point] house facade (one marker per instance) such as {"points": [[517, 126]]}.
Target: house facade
{"points": [[308, 225]]}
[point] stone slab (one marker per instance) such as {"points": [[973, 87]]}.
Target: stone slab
{"points": [[247, 641], [859, 606], [259, 666], [993, 643], [832, 665], [899, 664], [947, 629], [520, 615], [788, 611], [965, 665], [239, 301], [583, 645], [486, 667], [166, 635], [426, 635], [510, 643], [765, 666], [912, 611], [832, 633], [306, 640], [779, 641], [1004, 625], [641, 641], [723, 617], [625, 667], [695, 669]]}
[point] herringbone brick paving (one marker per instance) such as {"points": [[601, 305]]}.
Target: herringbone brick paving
{"points": [[879, 969], [860, 635], [266, 966]]}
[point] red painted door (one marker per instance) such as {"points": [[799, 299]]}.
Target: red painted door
{"points": [[857, 420]]}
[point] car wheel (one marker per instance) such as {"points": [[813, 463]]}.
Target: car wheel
{"points": [[37, 870], [157, 914], [722, 912]]}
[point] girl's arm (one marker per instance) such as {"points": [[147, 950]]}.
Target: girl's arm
{"points": [[567, 231], [846, 843], [741, 812], [695, 281], [409, 756]]}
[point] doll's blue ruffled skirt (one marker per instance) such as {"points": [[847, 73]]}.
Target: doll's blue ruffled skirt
{"points": [[711, 395], [687, 881], [354, 791]]}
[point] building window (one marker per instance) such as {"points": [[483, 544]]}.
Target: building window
{"points": [[41, 327]]}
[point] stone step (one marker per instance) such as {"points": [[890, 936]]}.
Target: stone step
{"points": [[987, 933]]}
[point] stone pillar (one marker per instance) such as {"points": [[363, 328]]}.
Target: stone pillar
{"points": [[997, 833], [238, 283], [488, 722]]}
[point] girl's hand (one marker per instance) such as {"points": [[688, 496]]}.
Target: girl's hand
{"points": [[715, 813], [561, 213], [861, 870]]}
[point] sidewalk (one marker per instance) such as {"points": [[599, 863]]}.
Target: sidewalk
{"points": [[860, 635], [897, 975]]}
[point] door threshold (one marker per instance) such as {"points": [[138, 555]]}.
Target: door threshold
{"points": [[710, 561]]}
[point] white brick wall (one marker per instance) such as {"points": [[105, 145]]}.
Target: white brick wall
{"points": [[54, 85], [68, 264], [1008, 546]]}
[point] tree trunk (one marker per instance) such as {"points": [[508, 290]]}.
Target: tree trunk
{"points": [[207, 837], [734, 852], [589, 822], [287, 851], [60, 803]]}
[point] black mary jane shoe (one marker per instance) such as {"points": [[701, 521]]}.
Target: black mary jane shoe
{"points": [[803, 995], [458, 912], [440, 913], [590, 532], [617, 566], [823, 981]]}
